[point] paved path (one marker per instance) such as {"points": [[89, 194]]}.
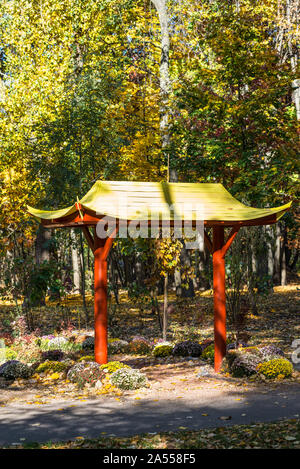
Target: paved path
{"points": [[64, 420]]}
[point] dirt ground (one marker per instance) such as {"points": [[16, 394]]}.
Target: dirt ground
{"points": [[166, 381]]}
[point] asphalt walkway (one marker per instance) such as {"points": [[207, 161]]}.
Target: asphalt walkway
{"points": [[67, 419]]}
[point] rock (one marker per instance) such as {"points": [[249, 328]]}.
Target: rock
{"points": [[205, 371]]}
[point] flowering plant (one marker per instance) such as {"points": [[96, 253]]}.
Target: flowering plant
{"points": [[14, 369], [128, 378], [111, 367], [85, 373], [117, 346], [163, 349], [276, 368], [188, 348], [140, 345]]}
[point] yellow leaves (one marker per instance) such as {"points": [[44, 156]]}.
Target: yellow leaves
{"points": [[16, 192], [54, 376], [168, 254]]}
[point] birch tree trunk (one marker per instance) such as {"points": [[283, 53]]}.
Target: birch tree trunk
{"points": [[42, 245], [283, 258], [296, 97], [165, 84], [75, 263], [277, 270], [270, 246], [165, 315], [287, 43]]}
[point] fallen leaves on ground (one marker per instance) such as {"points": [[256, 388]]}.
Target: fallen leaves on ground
{"points": [[283, 434]]}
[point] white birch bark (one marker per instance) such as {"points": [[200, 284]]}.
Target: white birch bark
{"points": [[75, 263]]}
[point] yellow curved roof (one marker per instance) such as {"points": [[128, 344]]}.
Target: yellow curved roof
{"points": [[165, 201]]}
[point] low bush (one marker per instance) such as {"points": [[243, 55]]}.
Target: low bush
{"points": [[111, 367], [53, 355], [85, 373], [245, 364], [10, 354], [52, 366], [117, 346], [87, 358], [140, 345], [7, 338], [14, 369], [188, 348], [276, 368], [88, 343], [56, 343], [128, 378], [270, 351], [27, 352], [209, 353], [163, 350]]}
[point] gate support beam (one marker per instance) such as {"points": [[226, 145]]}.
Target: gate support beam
{"points": [[101, 251], [219, 248]]}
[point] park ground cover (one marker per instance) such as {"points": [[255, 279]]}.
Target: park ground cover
{"points": [[278, 435], [276, 323]]}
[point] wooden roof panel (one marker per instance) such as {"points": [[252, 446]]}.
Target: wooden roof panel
{"points": [[152, 200]]}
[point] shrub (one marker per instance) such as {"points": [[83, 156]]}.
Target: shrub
{"points": [[111, 367], [163, 350], [231, 355], [276, 368], [88, 343], [10, 354], [27, 352], [71, 347], [209, 352], [56, 343], [253, 349], [270, 351], [140, 345], [188, 348], [42, 343], [128, 378], [67, 347], [117, 346], [87, 358], [245, 364], [85, 373], [8, 338], [53, 355], [52, 366], [14, 369]]}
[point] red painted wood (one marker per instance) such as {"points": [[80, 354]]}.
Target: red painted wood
{"points": [[101, 251], [90, 218], [219, 296], [100, 302], [230, 239]]}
